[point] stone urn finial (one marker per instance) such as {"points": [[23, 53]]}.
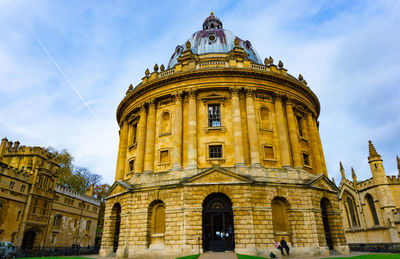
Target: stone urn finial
{"points": [[147, 72]]}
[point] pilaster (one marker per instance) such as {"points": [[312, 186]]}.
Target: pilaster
{"points": [[192, 130], [141, 140], [283, 138], [237, 128], [122, 150], [150, 138], [252, 128], [293, 134], [177, 134]]}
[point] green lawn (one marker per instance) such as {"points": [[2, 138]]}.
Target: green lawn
{"points": [[372, 256], [189, 257], [56, 257], [248, 257]]}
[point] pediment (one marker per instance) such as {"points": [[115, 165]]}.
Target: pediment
{"points": [[217, 176], [213, 97], [323, 182], [118, 187]]}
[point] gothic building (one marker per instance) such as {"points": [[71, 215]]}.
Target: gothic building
{"points": [[34, 210], [220, 151], [371, 208]]}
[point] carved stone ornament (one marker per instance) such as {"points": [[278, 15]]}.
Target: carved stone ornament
{"points": [[152, 102], [271, 60], [147, 72], [155, 68], [250, 92], [236, 42], [280, 64], [162, 68], [266, 61], [178, 96], [234, 91], [188, 45], [300, 77], [192, 93], [130, 89]]}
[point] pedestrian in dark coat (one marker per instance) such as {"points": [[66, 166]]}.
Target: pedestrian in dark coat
{"points": [[285, 245]]}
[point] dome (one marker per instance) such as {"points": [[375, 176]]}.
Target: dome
{"points": [[213, 39]]}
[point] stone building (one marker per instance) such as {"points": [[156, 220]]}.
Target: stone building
{"points": [[34, 210], [371, 208], [220, 151]]}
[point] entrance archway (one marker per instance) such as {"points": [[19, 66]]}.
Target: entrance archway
{"points": [[326, 207], [116, 216], [218, 234], [28, 239]]}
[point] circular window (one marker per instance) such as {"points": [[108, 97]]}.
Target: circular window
{"points": [[247, 44], [212, 37]]}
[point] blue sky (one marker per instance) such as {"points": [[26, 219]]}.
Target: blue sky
{"points": [[349, 53]]}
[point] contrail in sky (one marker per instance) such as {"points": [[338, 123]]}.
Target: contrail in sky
{"points": [[60, 70]]}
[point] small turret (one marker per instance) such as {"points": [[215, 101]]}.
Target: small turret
{"points": [[3, 146], [90, 192], [398, 164], [376, 165], [342, 170]]}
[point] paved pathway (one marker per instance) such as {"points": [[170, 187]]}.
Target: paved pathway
{"points": [[221, 255]]}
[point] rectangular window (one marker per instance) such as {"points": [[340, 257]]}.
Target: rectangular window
{"points": [[131, 165], [299, 125], [306, 159], [44, 208], [22, 188], [214, 115], [269, 152], [11, 186], [134, 130], [88, 225], [164, 159], [215, 151], [56, 198]]}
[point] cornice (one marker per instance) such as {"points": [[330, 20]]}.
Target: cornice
{"points": [[176, 77]]}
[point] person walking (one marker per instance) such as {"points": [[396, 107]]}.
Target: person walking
{"points": [[277, 245], [285, 245]]}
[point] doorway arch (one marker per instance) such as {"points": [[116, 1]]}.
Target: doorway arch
{"points": [[116, 217], [218, 229], [28, 240], [326, 208]]}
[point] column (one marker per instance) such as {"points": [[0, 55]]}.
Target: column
{"points": [[252, 128], [237, 128], [123, 145], [150, 138], [177, 134], [293, 134], [321, 151], [280, 124], [316, 156], [192, 130], [141, 140]]}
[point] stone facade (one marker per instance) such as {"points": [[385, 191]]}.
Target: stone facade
{"points": [[220, 152], [34, 210], [371, 208]]}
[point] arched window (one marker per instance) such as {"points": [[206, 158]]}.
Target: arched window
{"points": [[372, 209], [157, 223], [57, 221], [352, 211], [165, 123], [280, 217], [159, 219], [265, 118]]}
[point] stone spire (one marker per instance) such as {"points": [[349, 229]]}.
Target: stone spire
{"points": [[372, 151], [342, 170], [353, 174], [398, 164], [333, 181]]}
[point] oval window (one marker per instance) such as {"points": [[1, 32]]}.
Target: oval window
{"points": [[212, 37]]}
